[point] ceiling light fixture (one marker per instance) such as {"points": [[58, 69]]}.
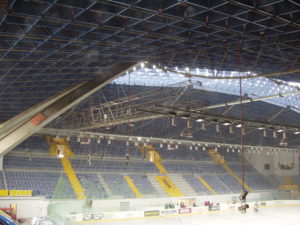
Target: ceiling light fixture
{"points": [[199, 120], [227, 123]]}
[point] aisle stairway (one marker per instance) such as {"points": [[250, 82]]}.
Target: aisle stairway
{"points": [[73, 178], [181, 183], [159, 189], [207, 185], [104, 185], [217, 157], [133, 187], [166, 183], [60, 147], [169, 186]]}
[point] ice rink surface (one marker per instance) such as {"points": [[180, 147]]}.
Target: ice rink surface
{"points": [[284, 215]]}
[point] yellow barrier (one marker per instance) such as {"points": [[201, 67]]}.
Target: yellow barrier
{"points": [[20, 193], [288, 186], [3, 193]]}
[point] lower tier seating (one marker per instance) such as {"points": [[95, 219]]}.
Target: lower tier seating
{"points": [[105, 178], [48, 184]]}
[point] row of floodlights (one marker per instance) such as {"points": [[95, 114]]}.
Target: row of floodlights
{"points": [[171, 145], [231, 125]]}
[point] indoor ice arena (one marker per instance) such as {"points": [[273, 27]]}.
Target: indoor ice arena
{"points": [[142, 112]]}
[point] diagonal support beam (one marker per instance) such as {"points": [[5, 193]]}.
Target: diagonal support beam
{"points": [[44, 113]]}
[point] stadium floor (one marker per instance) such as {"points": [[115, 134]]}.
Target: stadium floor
{"points": [[279, 215]]}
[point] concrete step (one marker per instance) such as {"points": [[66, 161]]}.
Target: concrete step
{"points": [[106, 188], [159, 189], [182, 185]]}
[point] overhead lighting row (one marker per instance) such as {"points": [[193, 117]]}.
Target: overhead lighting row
{"points": [[231, 124], [171, 145]]}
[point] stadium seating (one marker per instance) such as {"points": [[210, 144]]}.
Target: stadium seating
{"points": [[33, 144], [51, 185], [91, 185], [118, 185], [237, 168], [2, 186], [259, 182], [143, 184], [103, 177], [196, 185], [114, 149], [216, 184], [196, 168], [233, 185], [229, 155], [32, 163], [114, 166], [183, 152]]}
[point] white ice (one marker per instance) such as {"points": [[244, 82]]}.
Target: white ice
{"points": [[285, 215]]}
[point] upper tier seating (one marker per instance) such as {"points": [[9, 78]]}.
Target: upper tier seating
{"points": [[33, 144], [103, 149], [182, 153], [32, 163], [230, 156], [237, 168], [204, 168], [114, 166]]}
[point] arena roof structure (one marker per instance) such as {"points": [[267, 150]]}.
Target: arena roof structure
{"points": [[55, 54]]}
